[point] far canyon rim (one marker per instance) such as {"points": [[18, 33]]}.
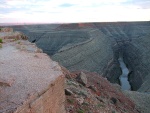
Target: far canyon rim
{"points": [[96, 47]]}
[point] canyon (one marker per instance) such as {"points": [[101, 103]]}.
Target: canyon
{"points": [[95, 47], [117, 52]]}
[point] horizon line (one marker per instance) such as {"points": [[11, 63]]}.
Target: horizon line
{"points": [[30, 23]]}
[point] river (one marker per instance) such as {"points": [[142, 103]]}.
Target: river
{"points": [[124, 77]]}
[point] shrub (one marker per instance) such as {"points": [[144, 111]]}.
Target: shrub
{"points": [[1, 41]]}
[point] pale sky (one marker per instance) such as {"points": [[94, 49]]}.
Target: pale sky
{"points": [[50, 11]]}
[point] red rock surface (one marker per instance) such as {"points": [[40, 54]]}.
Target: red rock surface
{"points": [[99, 96]]}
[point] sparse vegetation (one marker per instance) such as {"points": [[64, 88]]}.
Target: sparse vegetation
{"points": [[19, 42], [80, 111], [100, 105], [0, 29], [70, 101], [1, 41], [85, 104], [15, 39], [82, 93]]}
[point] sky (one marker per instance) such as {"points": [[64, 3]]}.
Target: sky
{"points": [[62, 11]]}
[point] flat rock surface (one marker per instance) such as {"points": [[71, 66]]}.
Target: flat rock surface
{"points": [[24, 72]]}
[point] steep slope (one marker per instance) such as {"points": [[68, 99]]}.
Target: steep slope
{"points": [[95, 94], [138, 59], [92, 55]]}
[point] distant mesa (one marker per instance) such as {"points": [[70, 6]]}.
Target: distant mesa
{"points": [[75, 26]]}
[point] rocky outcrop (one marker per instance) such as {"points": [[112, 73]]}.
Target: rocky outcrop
{"points": [[82, 78], [6, 29], [30, 82]]}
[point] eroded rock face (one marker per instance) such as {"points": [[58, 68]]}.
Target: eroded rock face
{"points": [[30, 82]]}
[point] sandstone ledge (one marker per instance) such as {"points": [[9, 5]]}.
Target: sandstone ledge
{"points": [[30, 82]]}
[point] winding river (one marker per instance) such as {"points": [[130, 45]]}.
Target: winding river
{"points": [[124, 77]]}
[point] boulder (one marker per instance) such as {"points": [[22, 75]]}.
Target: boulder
{"points": [[82, 78], [68, 92]]}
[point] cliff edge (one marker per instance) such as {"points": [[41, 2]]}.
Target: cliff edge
{"points": [[30, 82]]}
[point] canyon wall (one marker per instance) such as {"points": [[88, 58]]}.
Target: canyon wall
{"points": [[137, 58], [132, 40]]}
